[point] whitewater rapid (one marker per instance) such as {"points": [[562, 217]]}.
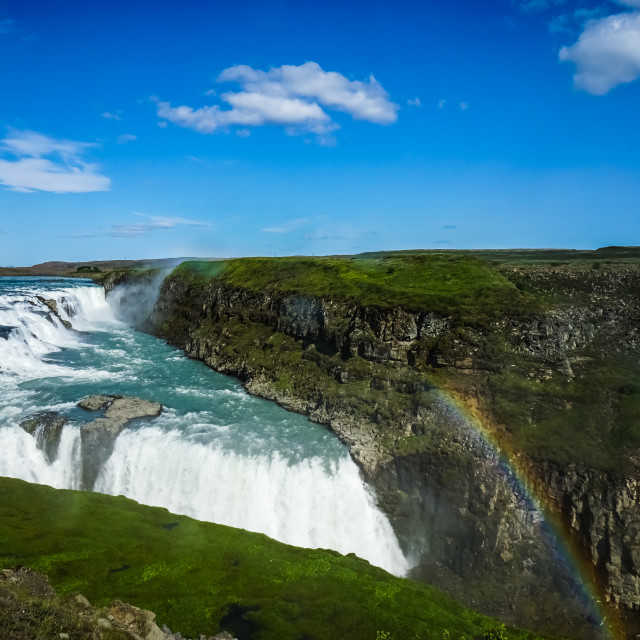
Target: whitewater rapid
{"points": [[215, 453]]}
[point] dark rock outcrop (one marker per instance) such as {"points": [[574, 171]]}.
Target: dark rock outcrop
{"points": [[46, 428], [5, 331], [31, 605], [98, 437], [52, 305]]}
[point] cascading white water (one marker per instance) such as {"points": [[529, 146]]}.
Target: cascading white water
{"points": [[36, 332], [215, 454], [302, 503]]}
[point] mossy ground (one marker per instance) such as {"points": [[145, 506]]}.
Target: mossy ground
{"points": [[456, 285], [192, 574]]}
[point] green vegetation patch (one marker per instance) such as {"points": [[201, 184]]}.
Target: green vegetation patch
{"points": [[194, 574], [592, 419], [461, 286]]}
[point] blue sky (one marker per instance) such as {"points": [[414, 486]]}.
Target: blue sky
{"points": [[145, 130]]}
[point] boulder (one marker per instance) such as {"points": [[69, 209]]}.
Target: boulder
{"points": [[93, 403], [46, 428], [98, 436], [131, 408]]}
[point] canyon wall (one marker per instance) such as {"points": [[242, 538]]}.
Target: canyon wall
{"points": [[407, 389]]}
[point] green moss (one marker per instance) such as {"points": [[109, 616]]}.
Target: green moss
{"points": [[592, 419], [192, 572], [459, 285]]}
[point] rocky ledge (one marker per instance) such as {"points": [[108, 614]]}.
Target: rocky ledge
{"points": [[30, 608], [46, 428], [98, 436], [52, 305]]}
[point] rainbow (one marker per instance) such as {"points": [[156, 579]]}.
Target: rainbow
{"points": [[567, 549]]}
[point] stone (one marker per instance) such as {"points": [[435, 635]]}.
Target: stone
{"points": [[98, 437], [5, 330], [81, 601], [46, 428], [131, 408], [93, 403], [53, 306]]}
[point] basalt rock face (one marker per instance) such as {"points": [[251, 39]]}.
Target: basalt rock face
{"points": [[368, 374], [98, 436], [604, 515], [46, 428]]}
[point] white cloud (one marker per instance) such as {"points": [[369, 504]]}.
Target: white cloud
{"points": [[41, 163], [631, 3], [294, 97], [607, 53], [286, 227], [441, 104], [414, 102], [155, 223], [464, 106], [126, 137], [112, 116]]}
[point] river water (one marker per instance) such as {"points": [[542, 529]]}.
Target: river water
{"points": [[215, 453]]}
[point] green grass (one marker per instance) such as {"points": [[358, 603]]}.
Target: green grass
{"points": [[461, 286], [593, 419], [192, 573]]}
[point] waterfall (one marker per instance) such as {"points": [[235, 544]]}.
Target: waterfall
{"points": [[215, 454]]}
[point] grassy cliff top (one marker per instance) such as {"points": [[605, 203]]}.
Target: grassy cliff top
{"points": [[200, 577], [449, 284]]}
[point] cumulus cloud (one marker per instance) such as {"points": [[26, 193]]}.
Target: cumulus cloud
{"points": [[607, 52], [40, 163], [414, 102], [112, 116], [442, 103], [294, 97]]}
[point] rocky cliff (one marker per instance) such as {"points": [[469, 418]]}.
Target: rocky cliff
{"points": [[437, 406]]}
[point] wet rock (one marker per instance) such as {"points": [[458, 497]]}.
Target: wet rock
{"points": [[93, 403], [46, 428], [5, 331], [121, 407], [53, 306], [130, 408], [98, 437]]}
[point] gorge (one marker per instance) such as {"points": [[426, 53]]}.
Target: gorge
{"points": [[489, 404]]}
